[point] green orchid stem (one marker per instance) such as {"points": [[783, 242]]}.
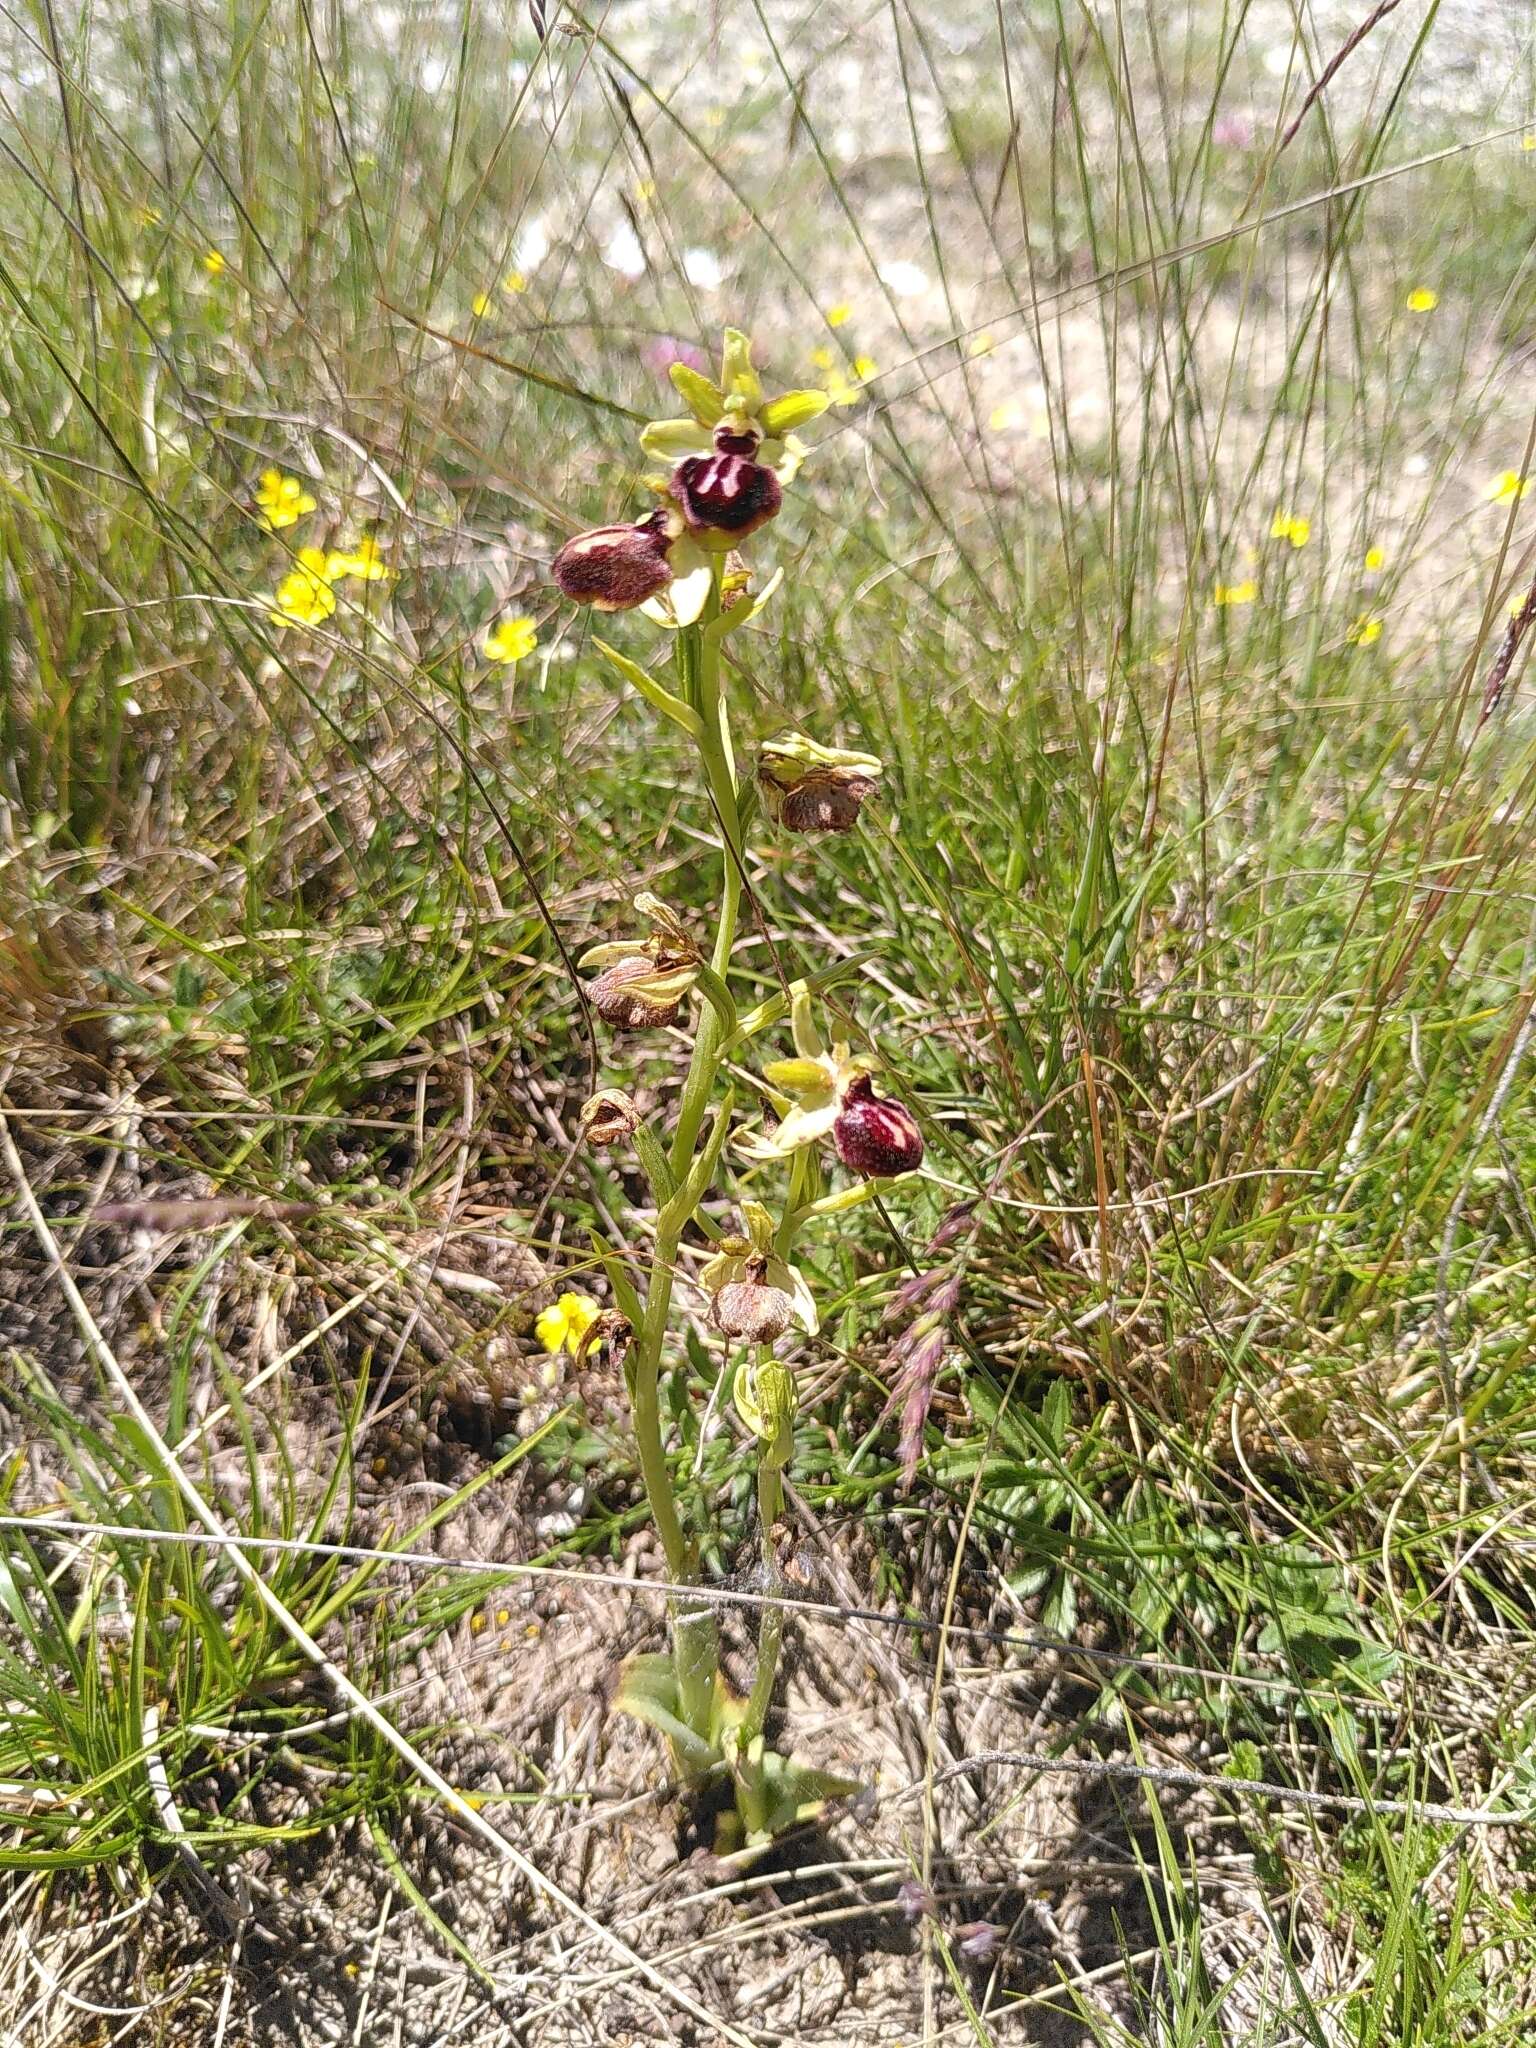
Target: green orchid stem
{"points": [[770, 1634], [695, 1640]]}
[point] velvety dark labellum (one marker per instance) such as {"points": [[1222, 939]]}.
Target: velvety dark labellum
{"points": [[725, 493], [614, 568], [874, 1137]]}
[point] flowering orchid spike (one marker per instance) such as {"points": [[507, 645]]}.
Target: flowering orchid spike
{"points": [[736, 418]]}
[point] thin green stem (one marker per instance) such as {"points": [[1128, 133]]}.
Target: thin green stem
{"points": [[770, 1634]]}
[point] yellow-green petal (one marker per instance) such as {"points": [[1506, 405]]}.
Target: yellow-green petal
{"points": [[796, 1077], [675, 440], [738, 379], [703, 399], [792, 409]]}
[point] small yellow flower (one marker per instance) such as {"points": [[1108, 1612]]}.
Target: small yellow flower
{"points": [[514, 282], [823, 358], [1375, 558], [305, 596], [1235, 593], [1528, 142], [361, 560], [480, 304], [511, 641], [1422, 300], [1510, 484], [983, 344], [282, 500], [150, 216], [865, 367], [562, 1327], [1005, 417], [476, 1624], [213, 262], [839, 315], [1364, 631], [1289, 526]]}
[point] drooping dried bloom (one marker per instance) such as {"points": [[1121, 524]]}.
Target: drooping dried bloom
{"points": [[725, 496], [643, 983], [608, 1117], [636, 995], [811, 788], [754, 1294], [615, 568], [875, 1137], [753, 1311]]}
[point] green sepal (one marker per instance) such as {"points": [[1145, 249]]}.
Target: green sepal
{"points": [[792, 409], [702, 397], [654, 692], [772, 1012]]}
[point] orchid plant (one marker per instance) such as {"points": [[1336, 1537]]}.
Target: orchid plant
{"points": [[721, 473]]}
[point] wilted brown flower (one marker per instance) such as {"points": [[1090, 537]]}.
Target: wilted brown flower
{"points": [[811, 788], [752, 1310], [608, 1117]]}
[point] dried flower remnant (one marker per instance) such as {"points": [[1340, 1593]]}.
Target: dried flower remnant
{"points": [[616, 568], [641, 984], [754, 1293], [608, 1118], [810, 788]]}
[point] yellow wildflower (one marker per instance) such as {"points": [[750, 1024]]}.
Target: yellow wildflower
{"points": [[1510, 484], [305, 596], [1422, 300], [1528, 142], [865, 367], [1235, 593], [1375, 558], [480, 304], [514, 282], [510, 641], [1003, 418], [983, 343], [213, 262], [1289, 526], [842, 385], [823, 358], [361, 560], [150, 216], [1364, 631], [562, 1327], [839, 315], [282, 500]]}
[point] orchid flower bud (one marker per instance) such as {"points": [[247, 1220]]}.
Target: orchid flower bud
{"points": [[875, 1137], [615, 568]]}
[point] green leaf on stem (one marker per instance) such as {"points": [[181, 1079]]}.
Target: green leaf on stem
{"points": [[693, 1190], [648, 1689], [655, 693]]}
